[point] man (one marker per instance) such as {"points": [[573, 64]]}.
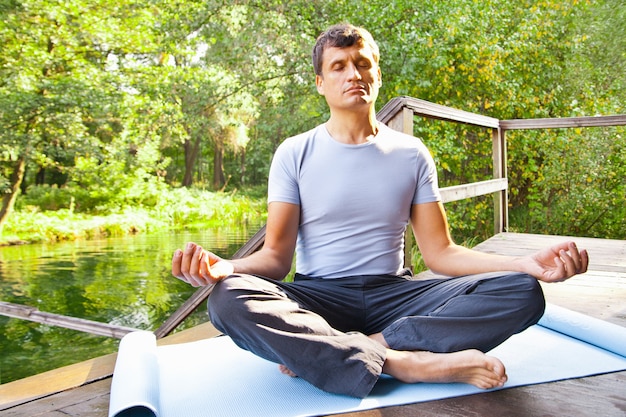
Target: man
{"points": [[341, 196]]}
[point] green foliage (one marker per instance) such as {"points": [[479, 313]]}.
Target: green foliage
{"points": [[174, 209], [114, 103], [579, 187]]}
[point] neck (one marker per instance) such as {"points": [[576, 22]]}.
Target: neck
{"points": [[352, 128]]}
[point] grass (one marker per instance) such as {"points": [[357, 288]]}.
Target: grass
{"points": [[176, 209]]}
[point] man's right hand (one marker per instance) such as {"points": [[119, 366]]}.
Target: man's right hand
{"points": [[199, 267]]}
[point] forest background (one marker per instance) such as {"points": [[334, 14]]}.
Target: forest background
{"points": [[135, 116]]}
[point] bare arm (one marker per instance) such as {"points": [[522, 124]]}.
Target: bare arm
{"points": [[198, 266], [442, 255]]}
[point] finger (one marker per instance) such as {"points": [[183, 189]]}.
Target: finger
{"points": [[584, 255], [176, 261], [185, 263], [576, 256], [205, 272], [194, 265], [221, 269], [560, 269], [194, 274], [570, 263]]}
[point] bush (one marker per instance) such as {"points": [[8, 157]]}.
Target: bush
{"points": [[179, 208]]}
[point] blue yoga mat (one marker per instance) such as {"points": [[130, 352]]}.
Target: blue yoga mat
{"points": [[214, 377]]}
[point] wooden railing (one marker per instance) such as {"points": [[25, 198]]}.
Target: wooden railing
{"points": [[87, 326], [399, 114]]}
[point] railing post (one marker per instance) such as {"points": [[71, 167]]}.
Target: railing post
{"points": [[403, 122], [501, 199]]}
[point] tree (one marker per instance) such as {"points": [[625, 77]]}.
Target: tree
{"points": [[228, 62], [57, 95], [108, 101]]}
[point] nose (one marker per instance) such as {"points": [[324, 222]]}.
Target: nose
{"points": [[354, 73]]}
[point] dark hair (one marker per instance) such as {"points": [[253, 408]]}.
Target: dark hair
{"points": [[342, 35]]}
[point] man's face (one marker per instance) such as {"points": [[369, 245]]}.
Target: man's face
{"points": [[350, 77]]}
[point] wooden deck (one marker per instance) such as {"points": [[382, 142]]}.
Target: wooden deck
{"points": [[83, 389]]}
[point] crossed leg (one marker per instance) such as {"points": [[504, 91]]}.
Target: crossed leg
{"points": [[255, 312], [468, 366]]}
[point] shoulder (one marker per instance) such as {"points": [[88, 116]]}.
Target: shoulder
{"points": [[302, 139], [291, 152], [399, 139]]}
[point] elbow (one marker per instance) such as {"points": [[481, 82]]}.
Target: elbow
{"points": [[279, 274], [435, 268], [440, 262], [280, 268]]}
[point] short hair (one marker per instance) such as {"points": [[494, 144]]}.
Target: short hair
{"points": [[342, 35]]}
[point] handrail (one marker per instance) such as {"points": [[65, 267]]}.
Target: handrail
{"points": [[83, 325], [433, 111], [398, 114], [474, 189], [564, 122]]}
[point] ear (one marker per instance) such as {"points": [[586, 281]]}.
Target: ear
{"points": [[380, 77], [319, 83]]}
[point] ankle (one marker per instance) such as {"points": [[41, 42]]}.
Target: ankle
{"points": [[378, 337]]}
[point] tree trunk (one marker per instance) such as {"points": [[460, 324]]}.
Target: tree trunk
{"points": [[8, 199], [192, 148], [218, 167], [242, 178]]}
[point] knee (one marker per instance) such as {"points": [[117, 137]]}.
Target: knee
{"points": [[225, 301], [521, 296], [532, 296]]}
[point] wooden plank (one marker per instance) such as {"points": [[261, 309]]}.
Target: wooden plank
{"points": [[564, 122], [57, 380], [88, 401], [83, 373], [83, 325], [595, 396], [604, 253], [434, 111], [460, 192], [501, 199], [402, 121], [599, 293]]}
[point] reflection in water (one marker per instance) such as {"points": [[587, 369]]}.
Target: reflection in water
{"points": [[122, 281]]}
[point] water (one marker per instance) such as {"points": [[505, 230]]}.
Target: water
{"points": [[122, 281]]}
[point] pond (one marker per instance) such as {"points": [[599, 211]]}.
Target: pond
{"points": [[122, 281]]}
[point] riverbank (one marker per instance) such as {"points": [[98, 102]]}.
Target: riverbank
{"points": [[180, 209]]}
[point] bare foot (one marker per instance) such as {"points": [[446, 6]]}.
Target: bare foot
{"points": [[284, 370], [468, 366]]}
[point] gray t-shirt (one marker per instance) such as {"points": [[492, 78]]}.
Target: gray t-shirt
{"points": [[355, 200]]}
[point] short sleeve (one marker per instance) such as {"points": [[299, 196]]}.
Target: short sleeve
{"points": [[283, 177]]}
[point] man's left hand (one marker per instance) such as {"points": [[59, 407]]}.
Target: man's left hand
{"points": [[558, 263]]}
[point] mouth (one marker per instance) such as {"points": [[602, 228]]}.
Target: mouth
{"points": [[356, 88]]}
